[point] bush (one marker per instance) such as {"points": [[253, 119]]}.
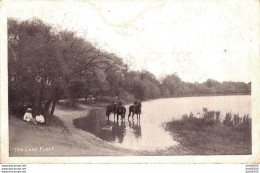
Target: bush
{"points": [[217, 117], [238, 123], [246, 122], [237, 120], [228, 120], [208, 118]]}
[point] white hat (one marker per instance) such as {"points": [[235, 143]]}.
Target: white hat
{"points": [[29, 109]]}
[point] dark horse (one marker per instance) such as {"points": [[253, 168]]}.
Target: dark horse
{"points": [[135, 109], [111, 109], [121, 110]]}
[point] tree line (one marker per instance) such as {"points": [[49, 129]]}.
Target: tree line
{"points": [[46, 65]]}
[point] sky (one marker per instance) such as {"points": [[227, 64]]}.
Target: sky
{"points": [[196, 39]]}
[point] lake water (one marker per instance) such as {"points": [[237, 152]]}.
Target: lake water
{"points": [[148, 133]]}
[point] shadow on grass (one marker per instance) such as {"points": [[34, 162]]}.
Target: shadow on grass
{"points": [[55, 121]]}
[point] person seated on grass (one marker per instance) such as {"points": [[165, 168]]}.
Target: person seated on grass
{"points": [[39, 119], [28, 116]]}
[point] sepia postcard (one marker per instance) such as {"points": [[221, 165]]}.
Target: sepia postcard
{"points": [[154, 81]]}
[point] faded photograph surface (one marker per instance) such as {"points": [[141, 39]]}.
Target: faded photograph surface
{"points": [[167, 78]]}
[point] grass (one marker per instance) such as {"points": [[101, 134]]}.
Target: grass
{"points": [[207, 135]]}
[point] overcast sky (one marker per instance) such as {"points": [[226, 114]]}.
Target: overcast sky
{"points": [[197, 39]]}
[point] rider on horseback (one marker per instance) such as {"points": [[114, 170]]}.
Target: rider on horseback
{"points": [[135, 108], [137, 102], [115, 101], [119, 103]]}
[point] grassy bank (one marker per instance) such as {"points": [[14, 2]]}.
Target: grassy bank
{"points": [[206, 135]]}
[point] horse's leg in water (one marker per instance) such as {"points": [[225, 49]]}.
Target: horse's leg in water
{"points": [[129, 112], [124, 115], [114, 115], [107, 114], [117, 117]]}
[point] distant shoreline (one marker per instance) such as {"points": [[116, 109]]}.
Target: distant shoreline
{"points": [[202, 95]]}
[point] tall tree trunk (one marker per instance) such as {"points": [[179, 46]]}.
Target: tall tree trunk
{"points": [[53, 107], [40, 107], [47, 106]]}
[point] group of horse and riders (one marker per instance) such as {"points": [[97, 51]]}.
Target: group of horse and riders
{"points": [[118, 109]]}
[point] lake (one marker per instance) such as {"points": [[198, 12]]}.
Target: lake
{"points": [[148, 133]]}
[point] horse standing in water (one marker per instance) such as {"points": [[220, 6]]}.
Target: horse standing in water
{"points": [[135, 109], [111, 109], [121, 110]]}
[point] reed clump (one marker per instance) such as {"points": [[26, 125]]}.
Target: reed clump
{"points": [[212, 118], [208, 134]]}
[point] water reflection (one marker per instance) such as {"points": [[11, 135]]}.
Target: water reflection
{"points": [[118, 131], [111, 131], [127, 134], [136, 127]]}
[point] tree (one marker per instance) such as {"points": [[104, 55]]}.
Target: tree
{"points": [[172, 83], [31, 64], [42, 61]]}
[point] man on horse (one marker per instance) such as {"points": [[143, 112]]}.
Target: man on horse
{"points": [[119, 108], [115, 101], [119, 103], [137, 102], [135, 108]]}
